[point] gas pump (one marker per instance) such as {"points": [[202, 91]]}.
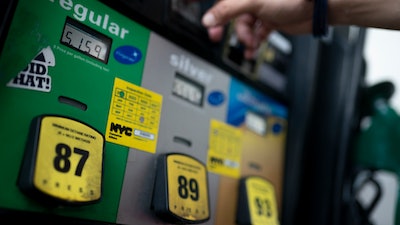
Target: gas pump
{"points": [[113, 120]]}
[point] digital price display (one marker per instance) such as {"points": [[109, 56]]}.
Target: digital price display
{"points": [[256, 123], [63, 162], [181, 189], [257, 202], [86, 40], [188, 90]]}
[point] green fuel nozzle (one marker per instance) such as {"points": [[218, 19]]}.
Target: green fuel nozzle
{"points": [[377, 145]]}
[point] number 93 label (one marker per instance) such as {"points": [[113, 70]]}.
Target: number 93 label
{"points": [[63, 161], [257, 203]]}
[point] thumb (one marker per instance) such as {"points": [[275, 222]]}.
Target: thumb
{"points": [[225, 10]]}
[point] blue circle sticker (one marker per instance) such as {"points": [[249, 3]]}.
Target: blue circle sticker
{"points": [[277, 128], [216, 98], [127, 54]]}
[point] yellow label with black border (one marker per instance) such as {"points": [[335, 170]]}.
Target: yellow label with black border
{"points": [[261, 201], [134, 116], [69, 160], [187, 188], [225, 149]]}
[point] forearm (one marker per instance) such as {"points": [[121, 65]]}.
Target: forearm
{"points": [[369, 13]]}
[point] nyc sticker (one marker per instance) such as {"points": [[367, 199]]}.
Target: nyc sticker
{"points": [[35, 75]]}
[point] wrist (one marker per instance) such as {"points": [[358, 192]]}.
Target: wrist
{"points": [[367, 13], [338, 12]]}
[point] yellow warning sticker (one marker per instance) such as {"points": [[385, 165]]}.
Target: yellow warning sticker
{"points": [[134, 116], [225, 149]]}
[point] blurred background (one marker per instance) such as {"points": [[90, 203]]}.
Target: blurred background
{"points": [[381, 52]]}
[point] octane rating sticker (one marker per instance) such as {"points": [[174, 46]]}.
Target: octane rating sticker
{"points": [[187, 188], [35, 75], [225, 149], [69, 160], [134, 116], [262, 202]]}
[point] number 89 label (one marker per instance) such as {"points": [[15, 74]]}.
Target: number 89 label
{"points": [[69, 160], [187, 187]]}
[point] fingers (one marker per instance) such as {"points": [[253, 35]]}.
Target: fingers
{"points": [[215, 33], [253, 46], [251, 32], [244, 28], [225, 10]]}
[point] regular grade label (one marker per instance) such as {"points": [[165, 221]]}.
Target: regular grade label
{"points": [[69, 160]]}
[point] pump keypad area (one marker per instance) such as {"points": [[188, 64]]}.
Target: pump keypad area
{"points": [[63, 161]]}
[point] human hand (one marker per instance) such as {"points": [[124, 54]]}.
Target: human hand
{"points": [[255, 19]]}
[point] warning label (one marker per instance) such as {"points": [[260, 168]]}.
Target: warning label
{"points": [[134, 116], [225, 149]]}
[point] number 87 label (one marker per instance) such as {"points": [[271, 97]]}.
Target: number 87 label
{"points": [[68, 159]]}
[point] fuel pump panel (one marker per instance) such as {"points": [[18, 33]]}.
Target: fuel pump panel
{"points": [[110, 121]]}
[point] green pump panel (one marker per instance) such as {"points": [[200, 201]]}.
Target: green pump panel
{"points": [[61, 58]]}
